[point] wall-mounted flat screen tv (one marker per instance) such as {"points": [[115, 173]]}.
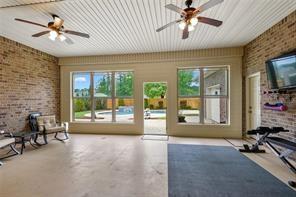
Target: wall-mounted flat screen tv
{"points": [[281, 71]]}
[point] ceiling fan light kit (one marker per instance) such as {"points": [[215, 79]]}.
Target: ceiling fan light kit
{"points": [[53, 35], [193, 21], [190, 16], [182, 25], [62, 37], [190, 28]]}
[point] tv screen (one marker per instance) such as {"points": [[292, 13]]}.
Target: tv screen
{"points": [[281, 71]]}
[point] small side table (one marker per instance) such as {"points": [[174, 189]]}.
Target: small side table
{"points": [[24, 136]]}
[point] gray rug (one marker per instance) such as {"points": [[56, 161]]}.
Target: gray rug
{"points": [[216, 171]]}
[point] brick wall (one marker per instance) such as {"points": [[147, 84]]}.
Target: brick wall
{"points": [[29, 81], [279, 39]]}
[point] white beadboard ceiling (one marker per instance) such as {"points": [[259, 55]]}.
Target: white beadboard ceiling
{"points": [[128, 26]]}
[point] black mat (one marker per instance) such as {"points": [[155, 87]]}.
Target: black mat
{"points": [[216, 171]]}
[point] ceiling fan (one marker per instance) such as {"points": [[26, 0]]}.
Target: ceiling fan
{"points": [[55, 30], [190, 16]]}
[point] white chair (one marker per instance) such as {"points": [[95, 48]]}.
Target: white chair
{"points": [[48, 125], [6, 140]]}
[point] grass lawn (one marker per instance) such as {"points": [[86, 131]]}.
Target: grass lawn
{"points": [[81, 114]]}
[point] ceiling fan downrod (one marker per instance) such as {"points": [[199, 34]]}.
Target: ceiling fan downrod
{"points": [[188, 3]]}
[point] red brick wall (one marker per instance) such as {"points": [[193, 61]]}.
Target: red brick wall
{"points": [[278, 39], [29, 81]]}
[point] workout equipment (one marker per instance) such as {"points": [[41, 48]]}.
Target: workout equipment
{"points": [[265, 132], [271, 141]]}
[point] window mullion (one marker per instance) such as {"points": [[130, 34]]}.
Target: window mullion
{"points": [[201, 91], [92, 98], [72, 94], [113, 97]]}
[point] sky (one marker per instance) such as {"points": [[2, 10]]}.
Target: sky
{"points": [[82, 80]]}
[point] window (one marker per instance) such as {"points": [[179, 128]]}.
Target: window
{"points": [[81, 96], [124, 102], [103, 96], [215, 95], [203, 95], [189, 95]]}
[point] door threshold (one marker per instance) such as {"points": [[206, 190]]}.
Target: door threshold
{"points": [[155, 137], [158, 134]]}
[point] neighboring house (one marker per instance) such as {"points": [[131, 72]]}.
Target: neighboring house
{"points": [[216, 84]]}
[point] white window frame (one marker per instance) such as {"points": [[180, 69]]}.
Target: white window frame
{"points": [[202, 95], [92, 98]]}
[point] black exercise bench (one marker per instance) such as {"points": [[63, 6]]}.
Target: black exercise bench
{"points": [[288, 145], [271, 142]]}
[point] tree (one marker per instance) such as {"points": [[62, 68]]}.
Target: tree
{"points": [[124, 84], [187, 83], [154, 90], [104, 85], [146, 103]]}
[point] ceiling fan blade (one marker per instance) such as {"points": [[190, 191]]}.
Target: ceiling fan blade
{"points": [[167, 25], [58, 22], [69, 41], [209, 21], [30, 22], [77, 33], [185, 32], [40, 34], [175, 8], [208, 5]]}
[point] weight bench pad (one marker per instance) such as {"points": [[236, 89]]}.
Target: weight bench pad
{"points": [[282, 142], [254, 132]]}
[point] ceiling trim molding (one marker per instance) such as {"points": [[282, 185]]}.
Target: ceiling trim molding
{"points": [[152, 57], [21, 4]]}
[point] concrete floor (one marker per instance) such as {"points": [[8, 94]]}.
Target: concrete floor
{"points": [[103, 165], [155, 126]]}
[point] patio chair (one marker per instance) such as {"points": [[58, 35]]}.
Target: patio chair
{"points": [[33, 124], [5, 142], [33, 120], [147, 113], [48, 125]]}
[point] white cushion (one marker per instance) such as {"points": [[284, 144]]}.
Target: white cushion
{"points": [[46, 121], [55, 129], [6, 141]]}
